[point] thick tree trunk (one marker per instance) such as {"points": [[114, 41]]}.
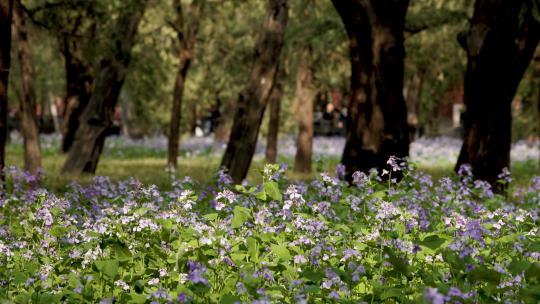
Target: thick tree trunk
{"points": [[304, 112], [29, 123], [78, 89], [252, 101], [377, 120], [6, 10], [186, 39], [97, 117], [79, 76], [273, 122], [500, 43]]}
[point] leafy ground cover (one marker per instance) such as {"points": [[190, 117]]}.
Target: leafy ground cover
{"points": [[277, 241]]}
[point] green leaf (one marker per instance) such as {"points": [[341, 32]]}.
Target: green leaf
{"points": [[136, 298], [211, 216], [432, 242], [58, 231], [532, 293], [22, 298], [313, 276], [379, 194], [229, 299], [121, 251], [55, 211], [19, 278], [534, 247], [482, 274], [261, 195], [518, 266], [272, 190], [253, 249], [240, 216], [399, 263], [238, 257], [166, 224], [312, 289], [281, 252], [391, 292], [109, 268]]}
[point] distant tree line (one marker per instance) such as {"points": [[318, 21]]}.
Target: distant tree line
{"points": [[98, 40]]}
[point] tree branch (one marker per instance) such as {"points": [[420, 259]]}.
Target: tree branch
{"points": [[430, 19]]}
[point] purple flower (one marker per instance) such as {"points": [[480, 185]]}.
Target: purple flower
{"points": [[455, 292], [433, 296], [183, 298], [196, 272], [349, 253], [224, 179], [333, 294], [340, 171], [505, 175], [393, 162], [241, 288]]}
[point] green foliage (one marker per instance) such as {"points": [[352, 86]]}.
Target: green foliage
{"points": [[324, 242]]}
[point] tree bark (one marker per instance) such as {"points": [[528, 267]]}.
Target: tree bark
{"points": [[224, 122], [500, 43], [537, 64], [377, 114], [252, 101], [29, 123], [97, 117], [273, 123], [6, 11], [304, 112], [186, 39], [78, 89], [412, 100]]}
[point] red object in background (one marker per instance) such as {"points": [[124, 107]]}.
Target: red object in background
{"points": [[117, 114], [59, 103], [39, 110], [337, 97]]}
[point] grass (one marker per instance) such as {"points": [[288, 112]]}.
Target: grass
{"points": [[148, 166]]}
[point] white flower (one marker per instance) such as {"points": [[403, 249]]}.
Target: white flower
{"points": [[122, 284], [205, 241], [163, 272], [153, 281], [300, 259], [183, 278]]}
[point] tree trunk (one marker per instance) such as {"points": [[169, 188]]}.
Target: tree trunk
{"points": [[412, 100], [29, 123], [252, 101], [224, 122], [78, 89], [194, 119], [500, 43], [304, 112], [377, 119], [537, 64], [186, 39], [97, 117], [174, 131], [6, 11], [273, 123]]}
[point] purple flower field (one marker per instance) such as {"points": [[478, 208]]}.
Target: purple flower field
{"points": [[437, 151], [417, 241]]}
